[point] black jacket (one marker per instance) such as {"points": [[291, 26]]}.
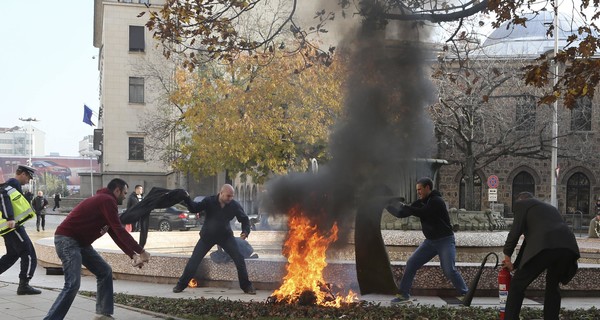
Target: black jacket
{"points": [[433, 214], [216, 222], [39, 203], [543, 228], [156, 198]]}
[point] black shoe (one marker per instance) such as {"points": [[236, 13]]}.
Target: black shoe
{"points": [[400, 299], [178, 289], [250, 290], [25, 288]]}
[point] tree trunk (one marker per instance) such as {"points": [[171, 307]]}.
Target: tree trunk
{"points": [[469, 176]]}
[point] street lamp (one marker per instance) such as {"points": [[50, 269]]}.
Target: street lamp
{"points": [[30, 131], [554, 159], [91, 154]]}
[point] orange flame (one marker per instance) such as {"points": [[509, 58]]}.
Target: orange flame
{"points": [[193, 283], [305, 250]]}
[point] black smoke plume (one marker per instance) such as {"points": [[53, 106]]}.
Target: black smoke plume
{"points": [[384, 128]]}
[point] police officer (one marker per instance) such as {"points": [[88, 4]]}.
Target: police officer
{"points": [[15, 210]]}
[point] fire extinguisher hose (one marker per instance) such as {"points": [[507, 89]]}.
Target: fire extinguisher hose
{"points": [[473, 287]]}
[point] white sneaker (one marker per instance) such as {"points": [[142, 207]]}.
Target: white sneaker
{"points": [[103, 317]]}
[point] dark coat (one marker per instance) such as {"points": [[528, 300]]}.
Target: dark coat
{"points": [[543, 228], [432, 211], [216, 222], [157, 198], [39, 203]]}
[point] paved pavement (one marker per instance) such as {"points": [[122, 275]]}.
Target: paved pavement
{"points": [[14, 307]]}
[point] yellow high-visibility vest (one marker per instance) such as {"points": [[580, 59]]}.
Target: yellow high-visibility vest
{"points": [[21, 208]]}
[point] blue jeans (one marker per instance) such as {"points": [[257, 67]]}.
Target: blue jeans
{"points": [[73, 256], [446, 249]]}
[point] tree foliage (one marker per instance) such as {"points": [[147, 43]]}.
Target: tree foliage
{"points": [[257, 120], [211, 27]]}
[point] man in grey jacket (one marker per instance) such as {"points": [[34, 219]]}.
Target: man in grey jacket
{"points": [[549, 245]]}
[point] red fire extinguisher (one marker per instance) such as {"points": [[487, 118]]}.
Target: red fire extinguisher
{"points": [[504, 278]]}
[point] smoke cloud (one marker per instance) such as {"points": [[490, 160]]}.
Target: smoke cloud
{"points": [[385, 127]]}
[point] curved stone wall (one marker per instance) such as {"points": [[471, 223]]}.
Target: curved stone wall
{"points": [[170, 252]]}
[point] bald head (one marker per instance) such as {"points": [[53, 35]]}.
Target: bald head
{"points": [[226, 194]]}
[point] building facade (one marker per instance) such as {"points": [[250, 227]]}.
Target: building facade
{"points": [[22, 141], [123, 41], [577, 170], [130, 92]]}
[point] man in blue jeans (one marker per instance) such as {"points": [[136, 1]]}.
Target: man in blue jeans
{"points": [[439, 239], [88, 221]]}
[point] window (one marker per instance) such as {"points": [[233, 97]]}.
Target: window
{"points": [[476, 192], [136, 148], [581, 115], [578, 193], [523, 182], [136, 39], [136, 90], [144, 1], [525, 113]]}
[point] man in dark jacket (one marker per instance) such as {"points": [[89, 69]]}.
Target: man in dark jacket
{"points": [[439, 239], [136, 196], [549, 245], [17, 242], [220, 209], [57, 200], [39, 204]]}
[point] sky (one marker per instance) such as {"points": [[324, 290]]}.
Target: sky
{"points": [[48, 70]]}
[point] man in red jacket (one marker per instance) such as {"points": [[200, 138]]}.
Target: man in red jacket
{"points": [[73, 239]]}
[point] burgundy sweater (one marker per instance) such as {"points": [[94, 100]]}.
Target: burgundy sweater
{"points": [[94, 217]]}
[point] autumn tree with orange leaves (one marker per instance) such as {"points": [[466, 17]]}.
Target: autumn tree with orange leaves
{"points": [[257, 118]]}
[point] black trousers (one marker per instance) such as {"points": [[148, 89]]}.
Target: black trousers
{"points": [[230, 246], [555, 262], [18, 245], [40, 218]]}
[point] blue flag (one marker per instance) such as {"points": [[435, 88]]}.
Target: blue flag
{"points": [[87, 115]]}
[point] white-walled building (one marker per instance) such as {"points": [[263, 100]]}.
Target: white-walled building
{"points": [[129, 91], [124, 43], [18, 141]]}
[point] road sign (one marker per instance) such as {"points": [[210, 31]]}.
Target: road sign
{"points": [[493, 182], [492, 194]]}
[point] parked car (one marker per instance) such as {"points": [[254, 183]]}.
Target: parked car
{"points": [[254, 222], [176, 217]]}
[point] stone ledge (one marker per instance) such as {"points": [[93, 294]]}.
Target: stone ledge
{"points": [[267, 273]]}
